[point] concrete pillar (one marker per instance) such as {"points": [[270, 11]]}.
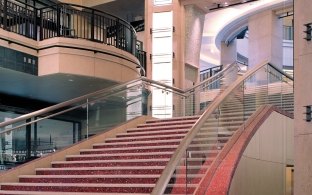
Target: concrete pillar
{"points": [[194, 24], [265, 39], [228, 56], [228, 53], [303, 97]]}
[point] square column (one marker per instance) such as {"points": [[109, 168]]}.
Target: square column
{"points": [[265, 39]]}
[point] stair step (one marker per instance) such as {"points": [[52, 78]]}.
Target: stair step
{"points": [[180, 188], [173, 119], [119, 156], [219, 128], [137, 143], [80, 187], [169, 123], [145, 138], [165, 148], [159, 128], [133, 170], [223, 123], [15, 192], [200, 140], [111, 163], [89, 178], [153, 133]]}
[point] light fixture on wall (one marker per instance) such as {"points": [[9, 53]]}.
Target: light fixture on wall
{"points": [[308, 113], [308, 31]]}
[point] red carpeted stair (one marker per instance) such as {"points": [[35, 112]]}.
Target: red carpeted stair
{"points": [[130, 163]]}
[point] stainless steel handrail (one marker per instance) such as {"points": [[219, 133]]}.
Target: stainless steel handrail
{"points": [[64, 104], [211, 78], [87, 96], [176, 157]]}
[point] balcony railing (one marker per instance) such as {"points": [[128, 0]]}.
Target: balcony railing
{"points": [[67, 20]]}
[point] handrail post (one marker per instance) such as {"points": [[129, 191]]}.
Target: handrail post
{"points": [[117, 34], [41, 24], [5, 14], [35, 24], [58, 20], [28, 139], [92, 25]]}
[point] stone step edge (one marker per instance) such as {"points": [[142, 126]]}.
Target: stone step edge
{"points": [[112, 168], [132, 148], [153, 132], [159, 127], [111, 161], [119, 154], [125, 138], [15, 192], [172, 119], [81, 185], [137, 142], [167, 123]]}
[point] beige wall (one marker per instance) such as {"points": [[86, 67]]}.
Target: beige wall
{"points": [[110, 66], [265, 39], [303, 97], [20, 39], [262, 168]]}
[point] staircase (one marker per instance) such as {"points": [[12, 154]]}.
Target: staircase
{"points": [[216, 132], [130, 163]]}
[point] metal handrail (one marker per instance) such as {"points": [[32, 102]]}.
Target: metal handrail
{"points": [[87, 96], [208, 69], [176, 157], [211, 78], [64, 104]]}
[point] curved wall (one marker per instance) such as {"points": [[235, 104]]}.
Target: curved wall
{"points": [[82, 57], [262, 167], [75, 56]]}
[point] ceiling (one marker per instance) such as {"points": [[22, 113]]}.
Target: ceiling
{"points": [[53, 88], [124, 9], [210, 5]]}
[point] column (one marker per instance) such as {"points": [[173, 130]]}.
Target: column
{"points": [[265, 39], [303, 97]]}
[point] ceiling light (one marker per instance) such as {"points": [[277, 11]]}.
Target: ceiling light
{"points": [[225, 4]]}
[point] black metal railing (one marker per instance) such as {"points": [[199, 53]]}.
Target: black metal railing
{"points": [[18, 18], [209, 72], [67, 20], [141, 55], [74, 21]]}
